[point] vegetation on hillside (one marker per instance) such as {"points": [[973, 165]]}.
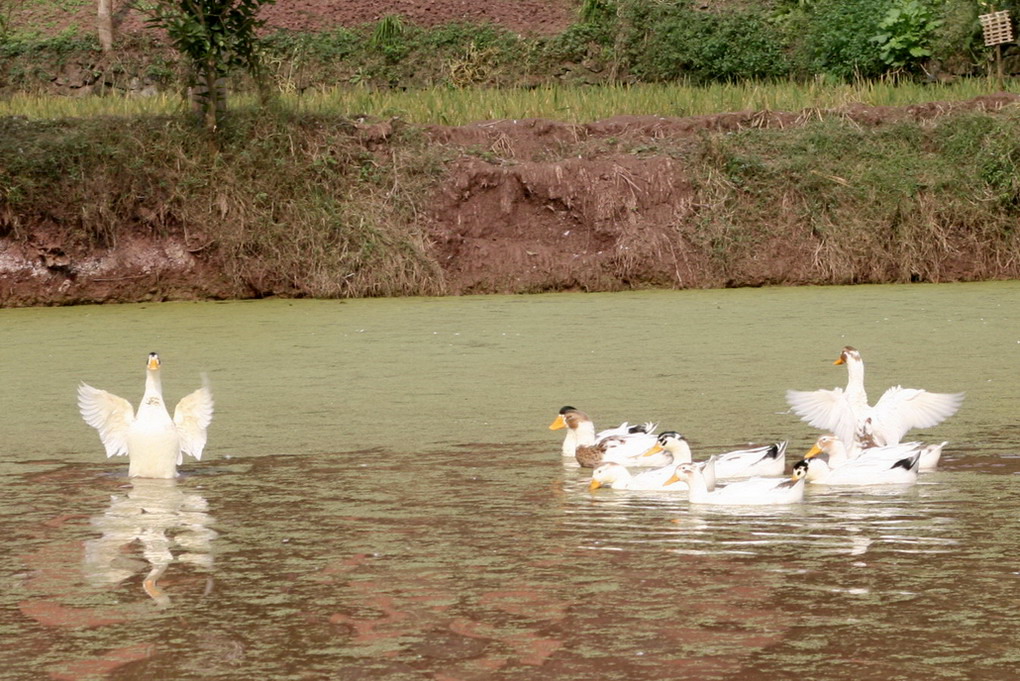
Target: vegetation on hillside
{"points": [[612, 41], [290, 196], [302, 204], [285, 204]]}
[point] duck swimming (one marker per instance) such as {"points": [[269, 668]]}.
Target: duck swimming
{"points": [[617, 476], [619, 444], [753, 492], [153, 442], [858, 424], [739, 463], [864, 470], [837, 455]]}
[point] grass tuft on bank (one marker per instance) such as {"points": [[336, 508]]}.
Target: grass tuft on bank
{"points": [[304, 204], [291, 204], [905, 202], [459, 106]]}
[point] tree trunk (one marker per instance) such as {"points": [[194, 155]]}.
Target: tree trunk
{"points": [[209, 98], [105, 25]]}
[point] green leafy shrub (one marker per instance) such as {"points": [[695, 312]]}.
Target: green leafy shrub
{"points": [[388, 37], [837, 39], [907, 31], [674, 41]]}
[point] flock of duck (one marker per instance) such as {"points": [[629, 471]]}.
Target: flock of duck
{"points": [[861, 446]]}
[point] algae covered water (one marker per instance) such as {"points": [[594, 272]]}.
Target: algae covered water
{"points": [[380, 497]]}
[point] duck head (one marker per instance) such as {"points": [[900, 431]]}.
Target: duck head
{"points": [[683, 473], [667, 441], [606, 474], [823, 445], [569, 417], [849, 354]]}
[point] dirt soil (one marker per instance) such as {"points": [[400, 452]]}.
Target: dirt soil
{"points": [[604, 219], [533, 17]]}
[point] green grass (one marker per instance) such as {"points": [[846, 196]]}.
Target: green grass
{"points": [[450, 106]]}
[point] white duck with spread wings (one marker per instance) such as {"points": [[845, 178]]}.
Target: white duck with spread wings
{"points": [[847, 414], [153, 442]]}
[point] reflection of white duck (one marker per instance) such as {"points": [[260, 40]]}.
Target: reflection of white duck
{"points": [[160, 517], [867, 469], [154, 443], [619, 444], [753, 492], [739, 463], [848, 415]]}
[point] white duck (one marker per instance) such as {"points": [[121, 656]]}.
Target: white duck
{"points": [[618, 476], [739, 463], [930, 455], [836, 454], [675, 448], [864, 470], [619, 444], [753, 492], [154, 443], [848, 415]]}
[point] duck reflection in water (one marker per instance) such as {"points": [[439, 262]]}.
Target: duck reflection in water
{"points": [[171, 525]]}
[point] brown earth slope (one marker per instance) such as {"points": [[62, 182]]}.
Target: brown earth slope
{"points": [[534, 17], [510, 215], [608, 219]]}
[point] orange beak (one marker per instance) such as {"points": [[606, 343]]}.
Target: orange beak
{"points": [[558, 423], [153, 363], [671, 481], [594, 485], [654, 449], [815, 451], [839, 360]]}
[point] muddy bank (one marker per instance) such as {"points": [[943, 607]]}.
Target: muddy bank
{"points": [[864, 194]]}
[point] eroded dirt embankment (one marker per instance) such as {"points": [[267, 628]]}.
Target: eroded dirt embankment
{"points": [[542, 205], [537, 205]]}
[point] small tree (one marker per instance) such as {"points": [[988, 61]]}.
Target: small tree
{"points": [[216, 36]]}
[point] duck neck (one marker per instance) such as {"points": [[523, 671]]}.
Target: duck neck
{"points": [[582, 435], [855, 392], [818, 469], [838, 454], [153, 387], [681, 452], [698, 487]]}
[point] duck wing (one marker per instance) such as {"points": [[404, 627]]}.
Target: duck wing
{"points": [[763, 460], [109, 414], [828, 410], [192, 415], [901, 409]]}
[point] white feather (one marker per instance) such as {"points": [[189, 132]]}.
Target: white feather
{"points": [[846, 413], [109, 414], [192, 417], [154, 443]]}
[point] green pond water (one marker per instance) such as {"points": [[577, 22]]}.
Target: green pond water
{"points": [[380, 496]]}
